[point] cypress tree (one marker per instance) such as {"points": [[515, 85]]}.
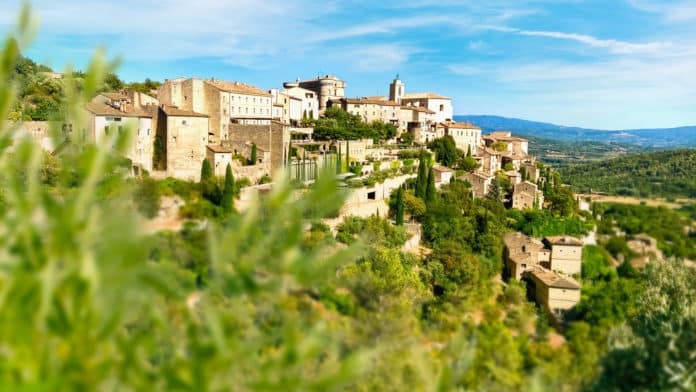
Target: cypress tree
{"points": [[422, 179], [208, 187], [468, 152], [348, 155], [338, 160], [253, 154], [400, 207], [430, 191], [228, 190]]}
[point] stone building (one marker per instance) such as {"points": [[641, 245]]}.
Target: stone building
{"points": [[310, 103], [371, 109], [225, 103], [546, 267], [480, 183], [286, 108], [531, 170], [467, 137], [442, 106], [556, 293], [489, 159], [526, 195], [417, 121], [219, 157], [327, 88], [443, 175], [273, 139], [566, 254], [106, 117], [513, 144], [185, 139]]}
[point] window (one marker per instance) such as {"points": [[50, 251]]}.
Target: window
{"points": [[442, 108], [184, 122]]}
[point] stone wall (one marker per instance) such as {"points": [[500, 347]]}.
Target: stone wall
{"points": [[186, 141], [273, 139], [253, 172]]}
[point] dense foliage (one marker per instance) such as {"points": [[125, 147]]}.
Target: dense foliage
{"points": [[675, 233], [269, 299], [337, 124], [659, 174]]}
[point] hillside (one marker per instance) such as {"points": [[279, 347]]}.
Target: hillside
{"points": [[665, 174], [560, 153], [657, 138]]}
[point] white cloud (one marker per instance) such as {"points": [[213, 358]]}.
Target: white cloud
{"points": [[614, 46], [679, 11]]}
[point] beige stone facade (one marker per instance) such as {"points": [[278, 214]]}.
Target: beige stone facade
{"points": [[480, 183], [527, 258], [185, 135], [441, 106], [273, 139], [327, 88], [225, 103], [371, 109], [107, 116], [566, 254], [467, 137], [526, 195]]}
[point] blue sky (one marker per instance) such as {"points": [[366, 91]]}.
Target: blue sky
{"points": [[607, 64]]}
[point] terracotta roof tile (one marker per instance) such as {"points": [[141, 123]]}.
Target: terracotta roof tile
{"points": [[176, 112], [424, 96]]}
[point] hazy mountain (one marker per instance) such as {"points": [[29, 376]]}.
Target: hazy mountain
{"points": [[659, 138]]}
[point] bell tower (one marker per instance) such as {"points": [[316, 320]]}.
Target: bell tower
{"points": [[396, 90]]}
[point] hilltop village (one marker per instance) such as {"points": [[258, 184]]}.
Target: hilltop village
{"points": [[257, 132]]}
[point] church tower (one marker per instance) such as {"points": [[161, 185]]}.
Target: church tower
{"points": [[396, 90]]}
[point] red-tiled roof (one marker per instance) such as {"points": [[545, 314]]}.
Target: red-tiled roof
{"points": [[459, 125], [370, 101]]}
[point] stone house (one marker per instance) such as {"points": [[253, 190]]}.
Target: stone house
{"points": [[309, 106], [417, 121], [467, 137], [371, 109], [546, 266], [526, 195], [515, 145], [566, 254], [273, 139], [489, 159], [531, 170], [443, 175], [554, 292], [185, 135], [480, 182], [219, 157], [225, 103], [327, 88], [442, 106], [286, 108], [106, 117]]}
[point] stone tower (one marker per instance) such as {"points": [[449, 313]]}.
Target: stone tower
{"points": [[396, 90]]}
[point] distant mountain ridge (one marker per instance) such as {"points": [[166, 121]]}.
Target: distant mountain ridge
{"points": [[656, 138]]}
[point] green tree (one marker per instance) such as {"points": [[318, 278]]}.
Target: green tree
{"points": [[228, 191], [254, 159], [431, 191], [422, 179], [446, 152], [400, 206], [208, 184]]}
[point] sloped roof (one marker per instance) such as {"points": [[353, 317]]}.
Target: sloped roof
{"points": [[563, 240], [102, 109], [554, 280], [459, 125], [427, 95], [238, 88], [218, 148], [176, 112], [421, 109], [370, 101]]}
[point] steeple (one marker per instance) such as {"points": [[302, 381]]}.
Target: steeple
{"points": [[396, 90]]}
